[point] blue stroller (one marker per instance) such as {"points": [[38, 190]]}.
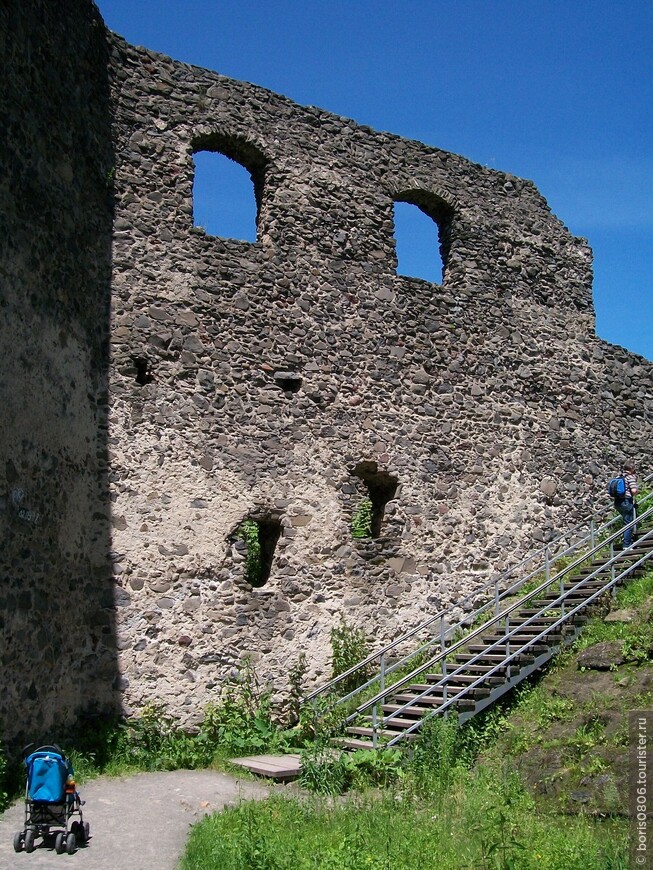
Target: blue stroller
{"points": [[51, 803]]}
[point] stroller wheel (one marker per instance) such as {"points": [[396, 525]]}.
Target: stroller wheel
{"points": [[18, 841], [71, 843], [29, 840], [59, 844], [87, 832]]}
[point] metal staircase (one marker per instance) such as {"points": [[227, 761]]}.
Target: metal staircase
{"points": [[468, 655]]}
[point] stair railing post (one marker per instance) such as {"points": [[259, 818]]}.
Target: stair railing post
{"points": [[374, 728], [592, 533], [508, 644], [382, 676], [547, 564], [496, 597], [443, 661]]}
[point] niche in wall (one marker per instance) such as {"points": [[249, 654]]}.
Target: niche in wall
{"points": [[381, 487], [143, 371], [258, 536]]}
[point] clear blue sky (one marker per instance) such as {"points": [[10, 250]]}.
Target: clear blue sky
{"points": [[558, 91]]}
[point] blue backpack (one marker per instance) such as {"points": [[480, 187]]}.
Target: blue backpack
{"points": [[617, 488]]}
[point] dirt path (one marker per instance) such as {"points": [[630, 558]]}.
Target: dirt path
{"points": [[137, 823]]}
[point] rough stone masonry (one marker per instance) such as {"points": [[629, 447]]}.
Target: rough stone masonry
{"points": [[284, 382]]}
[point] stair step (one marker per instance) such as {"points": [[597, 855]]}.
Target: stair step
{"points": [[528, 612], [411, 713], [362, 731], [535, 627], [418, 688], [400, 723], [513, 646], [480, 669], [437, 697], [353, 743], [520, 638], [516, 618], [494, 658], [459, 678], [428, 702]]}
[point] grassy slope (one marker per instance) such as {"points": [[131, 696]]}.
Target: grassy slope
{"points": [[568, 735]]}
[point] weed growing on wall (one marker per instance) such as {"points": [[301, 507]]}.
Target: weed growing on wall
{"points": [[248, 531], [361, 522]]}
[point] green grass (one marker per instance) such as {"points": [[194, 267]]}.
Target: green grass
{"points": [[482, 820]]}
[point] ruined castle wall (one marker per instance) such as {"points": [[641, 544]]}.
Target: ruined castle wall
{"points": [[283, 380], [255, 380], [57, 645]]}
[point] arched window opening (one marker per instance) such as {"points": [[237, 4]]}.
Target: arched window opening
{"points": [[422, 222], [227, 187], [381, 488], [257, 539]]}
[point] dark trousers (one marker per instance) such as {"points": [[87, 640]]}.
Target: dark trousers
{"points": [[627, 510]]}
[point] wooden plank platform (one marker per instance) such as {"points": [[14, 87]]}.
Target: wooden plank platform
{"points": [[280, 767]]}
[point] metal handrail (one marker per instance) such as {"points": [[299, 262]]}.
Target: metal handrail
{"points": [[517, 605], [515, 653], [449, 630]]}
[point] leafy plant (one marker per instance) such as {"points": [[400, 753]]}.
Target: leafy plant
{"points": [[361, 521], [153, 741], [436, 755], [349, 646], [638, 646], [319, 720], [376, 767]]}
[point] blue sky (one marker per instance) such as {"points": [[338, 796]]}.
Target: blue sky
{"points": [[558, 91]]}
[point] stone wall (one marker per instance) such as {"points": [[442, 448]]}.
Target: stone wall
{"points": [[287, 379], [57, 633], [283, 381]]}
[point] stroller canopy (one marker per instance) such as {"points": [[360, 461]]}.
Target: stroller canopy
{"points": [[47, 772]]}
